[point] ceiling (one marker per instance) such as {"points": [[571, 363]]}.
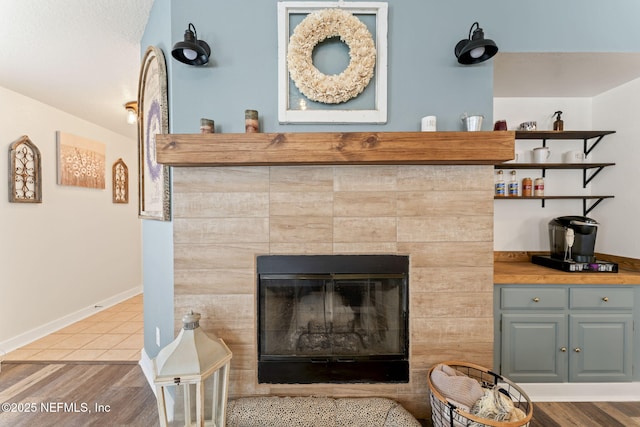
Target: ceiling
{"points": [[80, 56], [562, 74], [83, 57]]}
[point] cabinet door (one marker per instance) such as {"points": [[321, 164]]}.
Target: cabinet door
{"points": [[534, 347], [601, 347]]}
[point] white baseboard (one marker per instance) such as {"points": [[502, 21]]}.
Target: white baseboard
{"points": [[55, 325], [582, 392], [147, 368]]}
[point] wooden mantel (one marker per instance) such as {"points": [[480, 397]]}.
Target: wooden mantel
{"points": [[335, 148]]}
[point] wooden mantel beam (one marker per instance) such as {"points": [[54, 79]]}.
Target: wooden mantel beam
{"points": [[335, 148]]}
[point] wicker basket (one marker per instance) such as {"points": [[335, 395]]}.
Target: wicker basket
{"points": [[446, 414]]}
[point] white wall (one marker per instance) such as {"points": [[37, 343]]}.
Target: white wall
{"points": [[619, 109], [522, 225], [76, 248]]}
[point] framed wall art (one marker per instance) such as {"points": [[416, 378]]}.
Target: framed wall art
{"points": [[25, 174], [332, 62], [120, 182], [154, 181], [81, 161]]}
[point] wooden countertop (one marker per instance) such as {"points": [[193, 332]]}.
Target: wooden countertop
{"points": [[514, 269], [529, 273]]}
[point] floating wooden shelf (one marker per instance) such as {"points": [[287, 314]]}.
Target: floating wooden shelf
{"points": [[550, 197], [585, 135], [567, 134], [590, 138], [553, 165], [335, 148], [586, 177], [585, 208]]}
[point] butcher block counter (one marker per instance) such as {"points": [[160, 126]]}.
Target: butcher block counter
{"points": [[516, 268]]}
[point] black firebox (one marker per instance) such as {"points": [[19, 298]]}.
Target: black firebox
{"points": [[333, 319]]}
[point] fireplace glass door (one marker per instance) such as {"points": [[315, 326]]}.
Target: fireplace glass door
{"points": [[317, 325]]}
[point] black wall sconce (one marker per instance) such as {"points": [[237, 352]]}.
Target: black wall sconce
{"points": [[475, 48], [191, 51]]}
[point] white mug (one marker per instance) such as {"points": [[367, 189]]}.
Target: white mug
{"points": [[573, 156], [428, 124], [541, 154]]}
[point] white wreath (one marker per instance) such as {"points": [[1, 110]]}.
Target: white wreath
{"points": [[337, 88]]}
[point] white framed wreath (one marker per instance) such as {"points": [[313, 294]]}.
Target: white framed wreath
{"points": [[359, 92], [321, 25]]}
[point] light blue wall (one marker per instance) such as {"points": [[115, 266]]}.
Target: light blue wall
{"points": [[244, 70], [423, 77], [157, 236]]}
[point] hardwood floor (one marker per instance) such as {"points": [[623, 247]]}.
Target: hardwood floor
{"points": [[581, 414], [75, 395], [111, 394], [585, 414]]}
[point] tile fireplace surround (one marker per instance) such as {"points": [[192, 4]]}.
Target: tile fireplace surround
{"points": [[440, 215]]}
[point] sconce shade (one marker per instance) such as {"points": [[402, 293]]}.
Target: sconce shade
{"points": [[132, 112], [191, 51], [475, 48]]}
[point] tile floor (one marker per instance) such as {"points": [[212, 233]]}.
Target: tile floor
{"points": [[114, 334]]}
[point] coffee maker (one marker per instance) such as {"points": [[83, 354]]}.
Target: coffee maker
{"points": [[572, 241], [573, 238]]}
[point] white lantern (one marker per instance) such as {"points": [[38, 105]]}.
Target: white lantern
{"points": [[193, 364]]}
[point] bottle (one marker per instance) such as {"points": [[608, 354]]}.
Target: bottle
{"points": [[527, 187], [558, 124], [500, 186], [513, 185], [538, 187]]}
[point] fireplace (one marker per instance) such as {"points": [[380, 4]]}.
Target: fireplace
{"points": [[225, 217], [333, 319]]}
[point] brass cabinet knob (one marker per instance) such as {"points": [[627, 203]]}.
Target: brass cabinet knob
{"points": [[605, 299], [563, 349], [536, 299], [577, 349]]}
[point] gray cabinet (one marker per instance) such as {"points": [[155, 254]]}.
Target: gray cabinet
{"points": [[531, 347], [600, 347], [564, 333]]}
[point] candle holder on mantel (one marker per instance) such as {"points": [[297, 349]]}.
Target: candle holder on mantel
{"points": [[207, 126], [251, 122], [192, 363]]}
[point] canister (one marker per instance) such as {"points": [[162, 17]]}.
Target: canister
{"points": [[538, 187], [527, 187]]}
